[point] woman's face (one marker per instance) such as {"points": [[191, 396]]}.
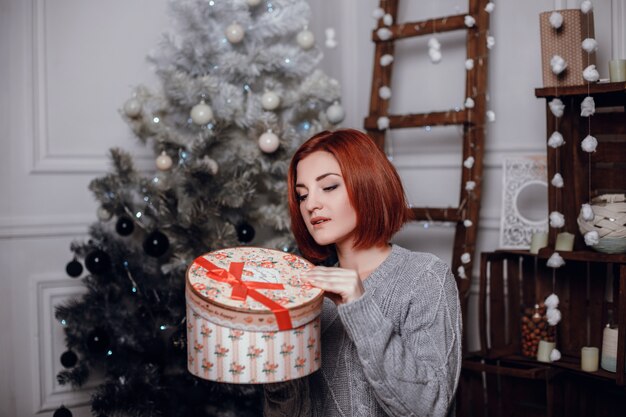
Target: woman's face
{"points": [[323, 197]]}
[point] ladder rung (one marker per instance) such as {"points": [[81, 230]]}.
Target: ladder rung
{"points": [[449, 214], [443, 118], [425, 27]]}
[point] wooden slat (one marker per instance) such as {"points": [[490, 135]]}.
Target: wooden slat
{"points": [[514, 326], [450, 214], [425, 27], [581, 90], [443, 118], [496, 308]]}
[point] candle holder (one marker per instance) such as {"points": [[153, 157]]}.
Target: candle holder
{"points": [[564, 242], [617, 70], [539, 240], [589, 359]]}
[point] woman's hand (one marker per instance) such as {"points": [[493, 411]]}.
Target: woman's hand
{"points": [[341, 285]]}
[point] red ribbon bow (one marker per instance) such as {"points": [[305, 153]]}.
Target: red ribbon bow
{"points": [[243, 289]]}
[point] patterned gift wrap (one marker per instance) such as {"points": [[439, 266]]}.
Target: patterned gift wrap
{"points": [[250, 317]]}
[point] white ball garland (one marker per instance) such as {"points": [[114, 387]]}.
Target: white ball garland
{"points": [[382, 123], [164, 161], [386, 60], [587, 107], [306, 39], [235, 33], [555, 261], [469, 162], [557, 220], [556, 20], [491, 116], [384, 34], [384, 92], [489, 7], [555, 355], [469, 21], [377, 13], [469, 64], [556, 140], [589, 144], [268, 142], [466, 258], [586, 212], [201, 113], [469, 103], [590, 45], [388, 19], [270, 100], [557, 180], [556, 107], [330, 42], [557, 64], [491, 42], [592, 238], [591, 74], [586, 6]]}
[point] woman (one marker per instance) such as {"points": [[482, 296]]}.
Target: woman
{"points": [[391, 323]]}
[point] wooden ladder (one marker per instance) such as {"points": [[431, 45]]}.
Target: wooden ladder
{"points": [[472, 120]]}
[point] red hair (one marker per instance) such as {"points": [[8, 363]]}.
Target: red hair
{"points": [[373, 185]]}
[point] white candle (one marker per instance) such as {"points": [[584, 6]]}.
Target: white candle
{"points": [[564, 242], [589, 359], [609, 349], [539, 240], [544, 350], [617, 70]]}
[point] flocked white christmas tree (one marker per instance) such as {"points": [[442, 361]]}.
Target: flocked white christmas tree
{"points": [[240, 91]]}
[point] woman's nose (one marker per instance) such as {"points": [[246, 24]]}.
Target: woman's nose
{"points": [[312, 201]]}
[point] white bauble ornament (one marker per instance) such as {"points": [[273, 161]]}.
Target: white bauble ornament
{"points": [[270, 100], [235, 33], [335, 113], [253, 3], [268, 142], [305, 39], [164, 161], [132, 108], [201, 113], [104, 214]]}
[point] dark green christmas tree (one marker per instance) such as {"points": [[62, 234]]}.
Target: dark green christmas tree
{"points": [[239, 93]]}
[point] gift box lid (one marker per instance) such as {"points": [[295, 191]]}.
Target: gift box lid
{"points": [[248, 285]]}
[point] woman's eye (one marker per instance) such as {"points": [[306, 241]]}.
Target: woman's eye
{"points": [[332, 187], [301, 198]]}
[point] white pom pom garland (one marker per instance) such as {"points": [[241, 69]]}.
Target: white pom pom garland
{"points": [[589, 144], [557, 180], [557, 64], [590, 45], [556, 140], [592, 238], [591, 74], [587, 107], [556, 107], [586, 212], [557, 220], [555, 261], [556, 20]]}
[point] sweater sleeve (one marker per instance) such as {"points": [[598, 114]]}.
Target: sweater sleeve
{"points": [[412, 366]]}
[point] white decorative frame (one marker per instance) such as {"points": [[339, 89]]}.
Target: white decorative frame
{"points": [[519, 173]]}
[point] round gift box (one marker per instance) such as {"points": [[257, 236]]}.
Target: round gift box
{"points": [[251, 319]]}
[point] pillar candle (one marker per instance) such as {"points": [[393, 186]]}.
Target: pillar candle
{"points": [[589, 359], [564, 242], [544, 350], [539, 240], [617, 70], [609, 349]]}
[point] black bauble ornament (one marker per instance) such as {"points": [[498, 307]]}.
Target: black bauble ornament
{"points": [[124, 226], [98, 262], [156, 244], [245, 232], [62, 412], [68, 359], [74, 268], [98, 341]]}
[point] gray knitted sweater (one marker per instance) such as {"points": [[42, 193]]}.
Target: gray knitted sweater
{"points": [[396, 351]]}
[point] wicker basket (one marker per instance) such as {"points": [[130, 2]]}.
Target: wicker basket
{"points": [[609, 221]]}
